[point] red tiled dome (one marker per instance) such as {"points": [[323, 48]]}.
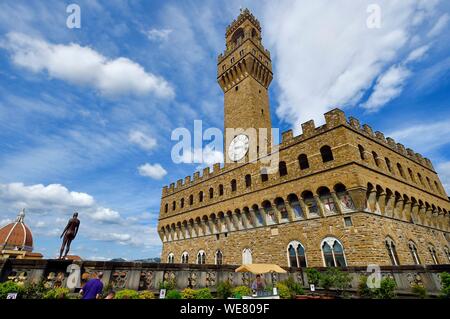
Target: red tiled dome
{"points": [[16, 236]]}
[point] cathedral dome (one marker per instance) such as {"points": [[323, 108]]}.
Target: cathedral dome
{"points": [[17, 235]]}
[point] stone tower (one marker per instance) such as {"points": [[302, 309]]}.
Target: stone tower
{"points": [[244, 72]]}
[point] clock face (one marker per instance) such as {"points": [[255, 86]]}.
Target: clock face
{"points": [[238, 147]]}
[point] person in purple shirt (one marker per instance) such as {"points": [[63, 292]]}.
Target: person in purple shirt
{"points": [[93, 288]]}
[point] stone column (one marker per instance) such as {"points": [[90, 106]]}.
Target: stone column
{"points": [[398, 208], [290, 211], [253, 217], [304, 208], [359, 197], [179, 231], [372, 200], [236, 222], [390, 206], [277, 214], [229, 223], [422, 215], [320, 206], [337, 203], [429, 216], [415, 213], [382, 202], [407, 210]]}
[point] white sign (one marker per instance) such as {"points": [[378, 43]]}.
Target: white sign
{"points": [[11, 296], [275, 291], [162, 294], [312, 287]]}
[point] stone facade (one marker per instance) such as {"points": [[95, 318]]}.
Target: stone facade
{"points": [[340, 186], [149, 276]]}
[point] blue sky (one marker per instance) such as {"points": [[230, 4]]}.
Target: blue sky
{"points": [[86, 114]]}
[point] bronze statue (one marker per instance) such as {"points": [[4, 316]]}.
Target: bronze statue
{"points": [[69, 233]]}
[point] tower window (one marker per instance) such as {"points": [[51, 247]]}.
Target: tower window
{"points": [[233, 185], [166, 208], [327, 154], [248, 180], [232, 60], [348, 221], [262, 112], [282, 168], [174, 205], [223, 67], [211, 193], [191, 199], [361, 152], [182, 203], [264, 176], [303, 161], [237, 88], [200, 197], [220, 190]]}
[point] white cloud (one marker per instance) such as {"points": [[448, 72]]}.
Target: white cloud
{"points": [[443, 170], [85, 66], [158, 34], [388, 86], [141, 139], [155, 171], [417, 53], [106, 215], [207, 156], [43, 197], [424, 137], [326, 56], [439, 25]]}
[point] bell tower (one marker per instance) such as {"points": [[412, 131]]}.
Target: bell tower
{"points": [[244, 72]]}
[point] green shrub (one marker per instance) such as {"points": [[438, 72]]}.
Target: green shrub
{"points": [[188, 293], [167, 284], [34, 290], [313, 276], [363, 290], [445, 285], [335, 278], [240, 291], [146, 295], [387, 289], [224, 289], [127, 294], [294, 287], [419, 290], [10, 287], [57, 293], [283, 291], [327, 280], [173, 294], [203, 293]]}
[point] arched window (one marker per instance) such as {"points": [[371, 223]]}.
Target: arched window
{"points": [[327, 200], [392, 252], [333, 253], [279, 202], [182, 203], [432, 251], [295, 205], [191, 199], [413, 251], [248, 180], [211, 193], [233, 185], [185, 258], [247, 256], [259, 218], [220, 190], [219, 257], [171, 258], [237, 37], [420, 179], [429, 183], [388, 164], [174, 205], [264, 175], [303, 161], [310, 203], [400, 170], [447, 253], [327, 154], [375, 159], [282, 168], [296, 254], [344, 197], [201, 257], [436, 185], [200, 196], [411, 175], [361, 152], [166, 208]]}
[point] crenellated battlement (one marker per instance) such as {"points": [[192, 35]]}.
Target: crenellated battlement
{"points": [[333, 118], [245, 14]]}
